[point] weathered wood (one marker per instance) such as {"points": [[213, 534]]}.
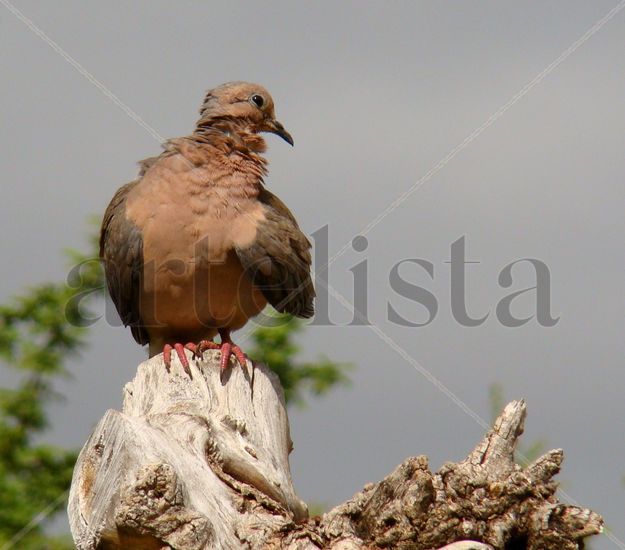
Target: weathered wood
{"points": [[202, 463]]}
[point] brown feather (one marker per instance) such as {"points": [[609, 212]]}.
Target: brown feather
{"points": [[279, 259], [196, 244], [121, 249]]}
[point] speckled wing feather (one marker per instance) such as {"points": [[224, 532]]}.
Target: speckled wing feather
{"points": [[121, 249], [278, 260]]}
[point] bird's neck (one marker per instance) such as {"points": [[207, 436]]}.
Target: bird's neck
{"points": [[230, 132]]}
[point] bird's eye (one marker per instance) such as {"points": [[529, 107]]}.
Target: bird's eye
{"points": [[257, 100]]}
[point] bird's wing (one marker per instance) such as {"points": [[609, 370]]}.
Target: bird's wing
{"points": [[121, 249], [278, 259]]}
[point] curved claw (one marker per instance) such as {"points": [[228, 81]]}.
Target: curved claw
{"points": [[227, 350], [240, 355], [193, 348], [179, 348], [167, 356]]}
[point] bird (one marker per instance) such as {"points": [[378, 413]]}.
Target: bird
{"points": [[196, 245]]}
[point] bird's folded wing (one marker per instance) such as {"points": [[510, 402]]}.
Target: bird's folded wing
{"points": [[121, 249], [278, 260]]}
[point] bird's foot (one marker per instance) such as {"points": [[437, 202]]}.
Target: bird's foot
{"points": [[228, 349], [199, 348], [179, 349]]}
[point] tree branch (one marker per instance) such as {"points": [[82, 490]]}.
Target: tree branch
{"points": [[202, 462]]}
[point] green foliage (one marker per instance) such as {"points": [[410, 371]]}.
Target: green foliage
{"points": [[36, 338], [39, 330], [40, 541], [274, 346]]}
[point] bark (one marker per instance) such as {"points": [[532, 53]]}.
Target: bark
{"points": [[201, 462]]}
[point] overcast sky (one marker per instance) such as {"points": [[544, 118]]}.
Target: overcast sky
{"points": [[375, 95]]}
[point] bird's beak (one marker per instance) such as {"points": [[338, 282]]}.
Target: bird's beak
{"points": [[276, 127]]}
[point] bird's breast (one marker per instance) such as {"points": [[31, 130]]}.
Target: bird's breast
{"points": [[192, 275]]}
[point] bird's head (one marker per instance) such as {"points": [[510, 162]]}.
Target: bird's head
{"points": [[241, 107]]}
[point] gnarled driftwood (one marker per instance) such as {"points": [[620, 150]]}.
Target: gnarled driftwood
{"points": [[202, 463]]}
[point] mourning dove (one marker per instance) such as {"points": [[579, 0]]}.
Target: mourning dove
{"points": [[196, 245]]}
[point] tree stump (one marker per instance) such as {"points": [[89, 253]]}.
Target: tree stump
{"points": [[201, 462]]}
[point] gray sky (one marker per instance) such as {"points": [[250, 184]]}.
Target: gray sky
{"points": [[375, 96]]}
